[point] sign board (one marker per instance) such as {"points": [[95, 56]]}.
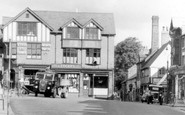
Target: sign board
{"points": [[64, 66]]}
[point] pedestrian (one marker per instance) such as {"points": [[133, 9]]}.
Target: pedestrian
{"points": [[160, 99], [121, 95]]}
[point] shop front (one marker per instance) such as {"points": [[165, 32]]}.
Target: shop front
{"points": [[85, 82]]}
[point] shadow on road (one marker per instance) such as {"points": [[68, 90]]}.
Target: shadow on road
{"points": [[93, 107]]}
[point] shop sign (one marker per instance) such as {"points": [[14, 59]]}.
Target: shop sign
{"points": [[21, 44], [21, 50], [46, 47], [64, 66]]}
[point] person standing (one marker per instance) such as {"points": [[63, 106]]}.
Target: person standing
{"points": [[160, 99]]}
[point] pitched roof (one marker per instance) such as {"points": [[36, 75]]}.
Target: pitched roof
{"points": [[154, 56], [57, 19]]}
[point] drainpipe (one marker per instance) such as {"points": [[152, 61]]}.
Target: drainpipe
{"points": [[107, 52], [55, 47]]}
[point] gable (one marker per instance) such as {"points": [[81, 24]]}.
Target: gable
{"points": [[161, 60], [154, 56], [71, 23], [28, 17], [22, 15], [93, 23]]}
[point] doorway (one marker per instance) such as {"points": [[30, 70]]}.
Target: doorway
{"points": [[12, 78]]}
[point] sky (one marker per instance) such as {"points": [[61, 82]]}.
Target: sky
{"points": [[132, 17]]}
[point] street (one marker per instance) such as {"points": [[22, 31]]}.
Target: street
{"points": [[74, 105]]}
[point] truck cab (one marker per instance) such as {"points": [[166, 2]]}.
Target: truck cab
{"points": [[46, 83]]}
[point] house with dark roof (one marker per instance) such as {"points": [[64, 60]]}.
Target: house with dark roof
{"points": [[76, 45], [154, 68]]}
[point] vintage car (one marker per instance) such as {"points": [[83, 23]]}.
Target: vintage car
{"points": [[46, 83]]}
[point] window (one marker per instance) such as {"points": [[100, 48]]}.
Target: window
{"points": [[14, 48], [72, 32], [27, 29], [99, 82], [34, 50], [93, 56], [162, 71], [70, 55], [27, 15], [91, 33]]}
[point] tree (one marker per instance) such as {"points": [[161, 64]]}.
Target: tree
{"points": [[126, 55]]}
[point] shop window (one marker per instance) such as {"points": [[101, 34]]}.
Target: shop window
{"points": [[34, 50], [91, 33], [92, 56], [72, 32], [70, 55], [27, 29], [100, 82]]}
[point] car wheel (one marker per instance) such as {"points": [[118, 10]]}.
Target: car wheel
{"points": [[36, 94], [62, 95]]}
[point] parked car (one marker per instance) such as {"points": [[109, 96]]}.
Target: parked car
{"points": [[46, 83]]}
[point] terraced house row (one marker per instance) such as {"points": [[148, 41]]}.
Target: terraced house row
{"points": [[77, 45]]}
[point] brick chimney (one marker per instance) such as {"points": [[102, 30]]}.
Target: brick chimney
{"points": [[155, 34]]}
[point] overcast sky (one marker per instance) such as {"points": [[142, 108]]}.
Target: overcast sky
{"points": [[132, 17]]}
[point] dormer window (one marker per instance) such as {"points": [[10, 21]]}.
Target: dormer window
{"points": [[72, 32], [91, 33], [27, 29]]}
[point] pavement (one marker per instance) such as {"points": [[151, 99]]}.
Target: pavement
{"points": [[4, 96]]}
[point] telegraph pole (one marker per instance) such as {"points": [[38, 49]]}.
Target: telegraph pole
{"points": [[9, 68]]}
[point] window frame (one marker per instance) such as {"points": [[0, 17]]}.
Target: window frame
{"points": [[70, 34], [71, 54], [34, 52], [90, 35], [93, 53], [31, 29]]}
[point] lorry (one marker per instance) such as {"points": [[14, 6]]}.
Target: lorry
{"points": [[51, 84]]}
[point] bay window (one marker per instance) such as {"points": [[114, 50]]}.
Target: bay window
{"points": [[91, 33], [72, 32], [92, 56], [70, 55]]}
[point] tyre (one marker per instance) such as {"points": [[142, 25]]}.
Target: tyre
{"points": [[62, 95], [36, 94]]}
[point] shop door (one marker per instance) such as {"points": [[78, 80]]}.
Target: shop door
{"points": [[12, 79], [86, 85]]}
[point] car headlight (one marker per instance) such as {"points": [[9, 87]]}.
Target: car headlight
{"points": [[49, 83]]}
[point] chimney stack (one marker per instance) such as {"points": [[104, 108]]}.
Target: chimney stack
{"points": [[155, 33]]}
